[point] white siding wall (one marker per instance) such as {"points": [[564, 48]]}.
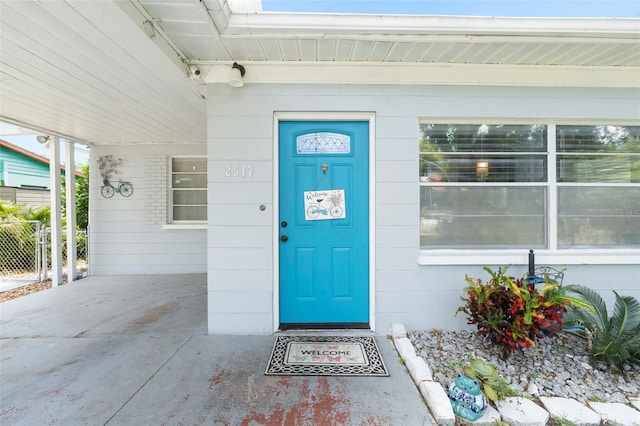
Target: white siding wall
{"points": [[126, 235], [241, 244]]}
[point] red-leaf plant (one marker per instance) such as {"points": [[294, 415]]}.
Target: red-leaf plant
{"points": [[512, 313]]}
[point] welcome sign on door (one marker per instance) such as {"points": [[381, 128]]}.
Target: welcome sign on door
{"points": [[324, 205]]}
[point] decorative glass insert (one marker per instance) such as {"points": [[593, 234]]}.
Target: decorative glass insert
{"points": [[323, 143]]}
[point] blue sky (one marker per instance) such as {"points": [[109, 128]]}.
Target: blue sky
{"points": [[530, 8], [27, 140]]}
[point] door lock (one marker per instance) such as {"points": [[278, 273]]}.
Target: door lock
{"points": [[284, 238]]}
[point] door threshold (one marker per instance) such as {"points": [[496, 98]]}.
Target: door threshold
{"points": [[326, 332], [324, 326]]}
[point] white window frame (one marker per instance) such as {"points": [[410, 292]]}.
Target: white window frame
{"points": [[183, 224], [551, 255]]}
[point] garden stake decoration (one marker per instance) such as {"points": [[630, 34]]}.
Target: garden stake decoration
{"points": [[106, 166]]}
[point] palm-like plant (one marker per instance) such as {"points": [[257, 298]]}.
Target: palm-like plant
{"points": [[615, 339]]}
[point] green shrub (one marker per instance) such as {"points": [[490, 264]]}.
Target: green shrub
{"points": [[512, 313], [615, 339]]}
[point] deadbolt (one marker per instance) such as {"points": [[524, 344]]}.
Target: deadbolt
{"points": [[283, 224]]}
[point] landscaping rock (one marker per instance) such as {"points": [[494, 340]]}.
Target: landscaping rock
{"points": [[571, 411], [616, 413], [522, 412]]}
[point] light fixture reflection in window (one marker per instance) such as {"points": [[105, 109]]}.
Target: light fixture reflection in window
{"points": [[482, 168]]}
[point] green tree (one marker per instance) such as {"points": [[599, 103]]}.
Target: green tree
{"points": [[8, 210], [82, 198]]}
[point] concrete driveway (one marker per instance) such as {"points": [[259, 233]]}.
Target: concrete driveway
{"points": [[133, 350]]}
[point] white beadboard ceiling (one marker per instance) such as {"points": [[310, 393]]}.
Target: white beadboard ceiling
{"points": [[105, 72]]}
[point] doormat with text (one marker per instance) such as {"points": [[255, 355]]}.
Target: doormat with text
{"points": [[326, 356]]}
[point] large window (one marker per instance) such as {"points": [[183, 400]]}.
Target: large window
{"points": [[188, 189], [598, 175], [529, 186]]}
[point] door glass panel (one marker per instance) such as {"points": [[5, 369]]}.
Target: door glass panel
{"points": [[323, 143]]}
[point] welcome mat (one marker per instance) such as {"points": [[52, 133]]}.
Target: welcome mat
{"points": [[326, 356]]}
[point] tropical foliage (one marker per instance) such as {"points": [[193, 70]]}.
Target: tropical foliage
{"points": [[16, 251], [615, 339], [513, 313], [10, 211], [82, 198]]}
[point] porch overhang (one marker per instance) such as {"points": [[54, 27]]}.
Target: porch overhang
{"points": [[428, 74]]}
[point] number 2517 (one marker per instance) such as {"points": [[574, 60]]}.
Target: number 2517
{"points": [[236, 170]]}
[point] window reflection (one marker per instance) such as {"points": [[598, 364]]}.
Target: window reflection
{"points": [[488, 186]]}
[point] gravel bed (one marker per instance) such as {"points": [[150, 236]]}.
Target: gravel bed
{"points": [[24, 290], [560, 368]]}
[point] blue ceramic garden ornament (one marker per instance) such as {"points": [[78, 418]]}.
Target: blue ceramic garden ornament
{"points": [[467, 398]]}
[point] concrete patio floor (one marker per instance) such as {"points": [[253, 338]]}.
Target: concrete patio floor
{"points": [[133, 350]]}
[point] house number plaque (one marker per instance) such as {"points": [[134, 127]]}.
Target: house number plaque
{"points": [[238, 170]]}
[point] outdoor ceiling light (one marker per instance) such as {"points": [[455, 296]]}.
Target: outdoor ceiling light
{"points": [[235, 75], [43, 139]]}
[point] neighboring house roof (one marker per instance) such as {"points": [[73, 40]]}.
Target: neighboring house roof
{"points": [[137, 88], [31, 155]]}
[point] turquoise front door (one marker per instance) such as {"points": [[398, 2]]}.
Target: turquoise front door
{"points": [[324, 224]]}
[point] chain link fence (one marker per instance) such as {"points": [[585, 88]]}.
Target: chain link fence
{"points": [[25, 253], [20, 251]]}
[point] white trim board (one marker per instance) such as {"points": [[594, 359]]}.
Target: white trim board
{"points": [[519, 257], [322, 116], [431, 74]]}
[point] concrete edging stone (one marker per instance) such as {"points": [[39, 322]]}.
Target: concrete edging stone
{"points": [[516, 411]]}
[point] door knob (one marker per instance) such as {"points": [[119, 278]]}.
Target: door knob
{"points": [[284, 238]]}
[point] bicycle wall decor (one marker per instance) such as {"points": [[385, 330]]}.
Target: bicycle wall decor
{"points": [[106, 166]]}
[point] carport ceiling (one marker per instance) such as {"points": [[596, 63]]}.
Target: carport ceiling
{"points": [[106, 72]]}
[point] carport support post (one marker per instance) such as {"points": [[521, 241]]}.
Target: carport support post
{"points": [[70, 177], [56, 213]]}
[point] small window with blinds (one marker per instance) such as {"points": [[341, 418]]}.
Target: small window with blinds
{"points": [[188, 190]]}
